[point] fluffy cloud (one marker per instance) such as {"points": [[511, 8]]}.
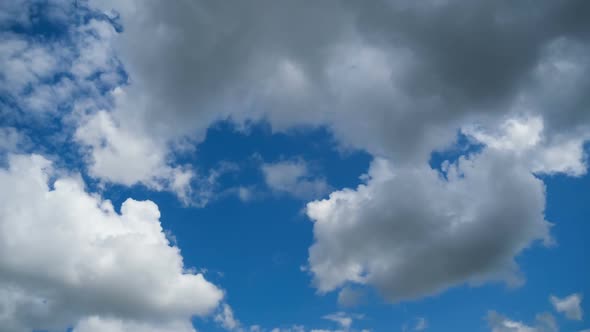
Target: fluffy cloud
{"points": [[394, 78], [119, 156], [294, 178], [544, 323], [569, 305], [61, 246], [525, 136], [414, 231]]}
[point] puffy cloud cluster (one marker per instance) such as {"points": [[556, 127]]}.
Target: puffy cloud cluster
{"points": [[111, 146], [416, 231], [70, 80], [526, 137], [397, 79], [394, 78], [67, 256]]}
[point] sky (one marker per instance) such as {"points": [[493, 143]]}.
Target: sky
{"points": [[294, 166]]}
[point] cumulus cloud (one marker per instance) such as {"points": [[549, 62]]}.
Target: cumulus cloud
{"points": [[294, 178], [414, 231], [119, 156], [526, 136], [344, 320], [397, 79], [570, 306], [544, 323], [73, 246], [378, 81], [394, 78]]}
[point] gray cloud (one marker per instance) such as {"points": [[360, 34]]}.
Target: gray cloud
{"points": [[413, 232], [396, 78]]}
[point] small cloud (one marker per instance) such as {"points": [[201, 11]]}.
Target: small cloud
{"points": [[293, 177], [343, 319], [349, 297], [421, 324], [245, 194], [225, 318], [570, 306], [545, 322]]}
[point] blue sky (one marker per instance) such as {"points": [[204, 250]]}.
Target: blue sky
{"points": [[333, 167]]}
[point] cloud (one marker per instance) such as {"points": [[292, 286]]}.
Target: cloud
{"points": [[119, 156], [226, 318], [544, 323], [72, 246], [378, 81], [421, 324], [375, 75], [49, 77], [350, 297], [397, 79], [341, 318], [10, 139], [98, 324], [569, 305], [294, 178], [526, 136], [413, 232]]}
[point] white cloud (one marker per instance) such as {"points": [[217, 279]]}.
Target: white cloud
{"points": [[394, 87], [344, 320], [411, 232], [293, 177], [98, 324], [421, 324], [121, 156], [245, 194], [72, 246], [526, 137], [569, 305], [226, 318], [544, 323]]}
